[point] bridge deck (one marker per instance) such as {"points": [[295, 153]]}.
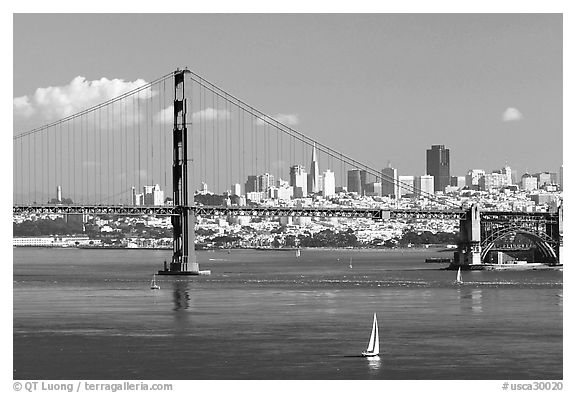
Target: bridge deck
{"points": [[259, 211], [281, 211]]}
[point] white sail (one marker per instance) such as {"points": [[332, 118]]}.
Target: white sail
{"points": [[376, 349], [374, 343], [459, 276]]}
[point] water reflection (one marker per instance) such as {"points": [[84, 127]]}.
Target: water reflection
{"points": [[470, 299], [476, 300], [374, 363], [181, 297]]}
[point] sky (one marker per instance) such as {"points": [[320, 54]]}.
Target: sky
{"points": [[378, 87]]}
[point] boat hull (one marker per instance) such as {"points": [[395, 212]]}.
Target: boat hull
{"points": [[369, 354]]}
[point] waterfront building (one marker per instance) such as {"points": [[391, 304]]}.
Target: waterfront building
{"points": [[390, 182], [314, 175], [59, 194], [438, 165], [329, 188], [236, 189], [299, 180], [561, 177]]}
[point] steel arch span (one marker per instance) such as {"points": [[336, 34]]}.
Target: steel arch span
{"points": [[545, 243]]}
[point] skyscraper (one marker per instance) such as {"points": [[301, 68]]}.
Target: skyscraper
{"points": [[299, 181], [251, 184], [438, 165], [314, 175], [390, 182], [354, 181], [329, 188]]}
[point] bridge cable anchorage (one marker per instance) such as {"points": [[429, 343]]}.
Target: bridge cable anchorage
{"points": [[309, 141]]}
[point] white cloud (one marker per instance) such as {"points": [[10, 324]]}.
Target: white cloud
{"points": [[210, 114], [288, 119], [166, 116], [52, 103], [512, 114]]}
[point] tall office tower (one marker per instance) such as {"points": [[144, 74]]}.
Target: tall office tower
{"points": [[265, 181], [562, 177], [299, 180], [390, 182], [438, 165], [251, 184], [59, 193], [354, 181], [424, 185], [236, 189], [314, 175], [407, 185], [329, 188]]}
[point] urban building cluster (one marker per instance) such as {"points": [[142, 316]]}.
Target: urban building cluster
{"points": [[499, 189]]}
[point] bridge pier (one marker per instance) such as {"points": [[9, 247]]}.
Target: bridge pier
{"points": [[469, 247]]}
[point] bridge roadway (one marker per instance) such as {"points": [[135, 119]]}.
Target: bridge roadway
{"points": [[255, 211], [284, 211]]}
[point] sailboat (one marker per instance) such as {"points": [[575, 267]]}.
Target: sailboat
{"points": [[459, 277], [153, 284], [297, 253], [350, 265], [374, 344]]}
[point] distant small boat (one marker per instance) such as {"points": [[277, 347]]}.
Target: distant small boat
{"points": [[374, 343], [153, 284], [298, 253], [350, 265], [459, 277]]}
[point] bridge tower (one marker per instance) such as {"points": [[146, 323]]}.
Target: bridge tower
{"points": [[470, 238], [183, 257]]}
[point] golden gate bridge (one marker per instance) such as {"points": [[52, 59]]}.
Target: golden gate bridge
{"points": [[180, 130]]}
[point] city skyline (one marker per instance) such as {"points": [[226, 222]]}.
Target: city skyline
{"points": [[409, 95]]}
